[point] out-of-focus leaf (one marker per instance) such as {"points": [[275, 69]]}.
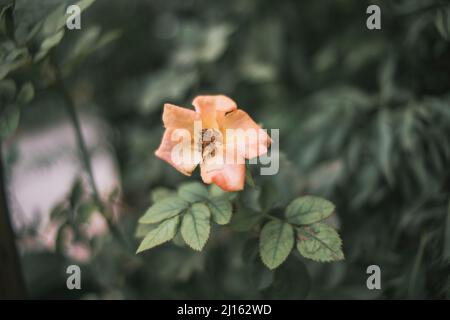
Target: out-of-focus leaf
{"points": [[28, 16], [415, 279], [85, 211], [76, 193], [26, 94], [12, 57], [250, 198], [48, 44], [161, 193], [6, 19], [88, 42], [291, 281], [269, 196], [58, 211], [442, 21], [9, 120], [260, 62], [162, 86], [260, 276], [201, 44]]}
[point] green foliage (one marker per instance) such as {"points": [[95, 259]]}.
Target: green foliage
{"points": [[193, 192], [442, 21], [363, 118], [11, 102], [9, 120], [276, 242], [164, 209], [320, 242], [196, 226], [221, 209], [308, 209], [163, 232], [193, 205]]}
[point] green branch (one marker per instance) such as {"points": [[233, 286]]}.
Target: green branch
{"points": [[11, 280], [73, 116]]}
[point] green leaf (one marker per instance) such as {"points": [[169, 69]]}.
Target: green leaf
{"points": [[8, 89], [85, 211], [275, 243], [88, 42], [6, 18], [308, 209], [196, 226], [84, 4], [178, 240], [76, 193], [9, 120], [49, 43], [168, 84], [215, 191], [61, 238], [142, 230], [161, 193], [442, 22], [58, 211], [193, 192], [164, 209], [221, 209], [29, 16], [320, 242], [164, 232], [26, 94]]}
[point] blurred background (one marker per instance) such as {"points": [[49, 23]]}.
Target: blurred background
{"points": [[364, 119]]}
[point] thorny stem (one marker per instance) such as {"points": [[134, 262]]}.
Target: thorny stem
{"points": [[71, 111]]}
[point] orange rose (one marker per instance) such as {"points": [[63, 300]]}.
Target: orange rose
{"points": [[217, 135]]}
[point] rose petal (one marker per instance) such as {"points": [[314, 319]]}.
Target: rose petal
{"points": [[229, 176], [245, 136], [172, 138], [218, 102], [177, 117]]}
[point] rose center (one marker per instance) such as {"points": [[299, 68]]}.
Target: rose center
{"points": [[211, 139]]}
